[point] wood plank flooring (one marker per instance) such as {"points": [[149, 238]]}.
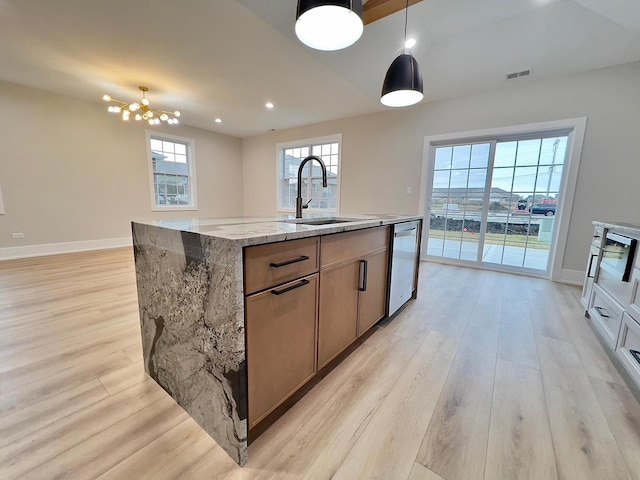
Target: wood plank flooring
{"points": [[485, 376]]}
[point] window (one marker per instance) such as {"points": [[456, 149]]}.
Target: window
{"points": [[289, 158], [172, 170]]}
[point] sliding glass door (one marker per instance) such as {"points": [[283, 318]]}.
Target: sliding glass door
{"points": [[495, 202]]}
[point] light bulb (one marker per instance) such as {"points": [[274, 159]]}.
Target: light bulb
{"points": [[138, 116], [106, 98], [218, 120], [150, 114], [151, 121], [125, 117], [175, 121], [177, 114], [156, 121], [144, 101], [134, 106], [145, 116], [269, 105], [164, 117]]}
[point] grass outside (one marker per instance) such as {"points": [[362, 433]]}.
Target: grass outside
{"points": [[492, 239]]}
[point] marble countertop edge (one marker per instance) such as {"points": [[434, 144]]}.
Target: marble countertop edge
{"points": [[246, 231], [622, 227]]}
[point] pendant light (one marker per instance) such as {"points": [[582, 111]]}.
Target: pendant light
{"points": [[330, 24], [402, 84]]}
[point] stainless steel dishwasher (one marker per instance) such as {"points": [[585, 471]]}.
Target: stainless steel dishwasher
{"points": [[404, 258]]}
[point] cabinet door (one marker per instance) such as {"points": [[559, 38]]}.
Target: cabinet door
{"points": [[373, 295], [281, 339], [338, 310]]}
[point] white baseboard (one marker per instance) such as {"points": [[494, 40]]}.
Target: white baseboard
{"points": [[572, 277], [10, 253]]}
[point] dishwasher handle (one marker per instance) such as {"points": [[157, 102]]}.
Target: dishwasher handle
{"points": [[405, 233]]}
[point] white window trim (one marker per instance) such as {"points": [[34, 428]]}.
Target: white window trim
{"points": [[567, 188], [191, 159], [303, 143]]}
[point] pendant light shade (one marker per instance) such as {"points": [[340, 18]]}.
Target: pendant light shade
{"points": [[402, 85], [329, 25]]}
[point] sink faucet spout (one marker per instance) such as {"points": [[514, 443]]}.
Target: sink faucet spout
{"points": [[299, 205]]}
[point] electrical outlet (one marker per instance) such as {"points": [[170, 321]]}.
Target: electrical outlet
{"points": [[17, 235], [409, 190]]}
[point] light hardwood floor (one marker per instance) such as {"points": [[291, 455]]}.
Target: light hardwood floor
{"points": [[485, 376]]}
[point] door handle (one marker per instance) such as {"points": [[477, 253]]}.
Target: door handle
{"points": [[364, 265], [636, 355], [302, 283], [600, 310], [289, 262]]}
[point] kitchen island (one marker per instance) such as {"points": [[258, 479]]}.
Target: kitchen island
{"points": [[201, 281]]}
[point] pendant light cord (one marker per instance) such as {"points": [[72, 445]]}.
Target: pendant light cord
{"points": [[406, 16]]}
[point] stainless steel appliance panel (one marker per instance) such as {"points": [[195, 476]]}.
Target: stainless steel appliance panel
{"points": [[404, 258]]}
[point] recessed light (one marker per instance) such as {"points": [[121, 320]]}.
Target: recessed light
{"points": [[218, 120], [410, 43], [269, 105]]}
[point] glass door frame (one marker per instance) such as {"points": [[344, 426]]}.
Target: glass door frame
{"points": [[573, 128]]}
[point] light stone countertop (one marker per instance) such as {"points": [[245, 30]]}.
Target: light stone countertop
{"points": [[245, 231], [620, 227]]}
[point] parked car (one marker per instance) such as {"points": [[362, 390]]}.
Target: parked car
{"points": [[547, 209]]}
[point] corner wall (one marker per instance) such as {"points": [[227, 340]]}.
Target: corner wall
{"points": [[73, 177], [382, 152]]}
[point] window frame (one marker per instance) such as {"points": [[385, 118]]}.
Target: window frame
{"points": [[191, 165], [307, 142]]}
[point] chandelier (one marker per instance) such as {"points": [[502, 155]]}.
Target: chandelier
{"points": [[141, 110]]}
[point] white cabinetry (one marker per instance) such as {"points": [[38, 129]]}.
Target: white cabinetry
{"points": [[612, 298]]}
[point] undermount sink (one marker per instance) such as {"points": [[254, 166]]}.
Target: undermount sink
{"points": [[321, 221]]}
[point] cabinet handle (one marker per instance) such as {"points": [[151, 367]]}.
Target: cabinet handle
{"points": [[302, 283], [600, 310], [289, 262], [364, 265], [636, 355], [590, 266]]}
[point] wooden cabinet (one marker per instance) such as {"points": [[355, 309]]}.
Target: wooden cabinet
{"points": [[281, 312], [338, 310], [306, 301], [281, 343], [373, 297], [353, 287], [277, 263]]}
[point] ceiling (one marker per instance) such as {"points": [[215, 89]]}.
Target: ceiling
{"points": [[226, 59]]}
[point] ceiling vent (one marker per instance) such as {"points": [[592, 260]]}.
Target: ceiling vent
{"points": [[522, 73]]}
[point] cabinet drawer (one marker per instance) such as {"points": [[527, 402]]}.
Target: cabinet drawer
{"points": [[606, 315], [628, 350], [598, 233], [281, 344], [276, 263], [342, 247], [634, 301]]}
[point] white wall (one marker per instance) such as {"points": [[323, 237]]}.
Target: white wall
{"points": [[71, 172], [382, 153]]}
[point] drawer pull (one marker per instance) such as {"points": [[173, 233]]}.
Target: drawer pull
{"points": [[636, 355], [302, 283], [289, 262], [601, 312]]}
